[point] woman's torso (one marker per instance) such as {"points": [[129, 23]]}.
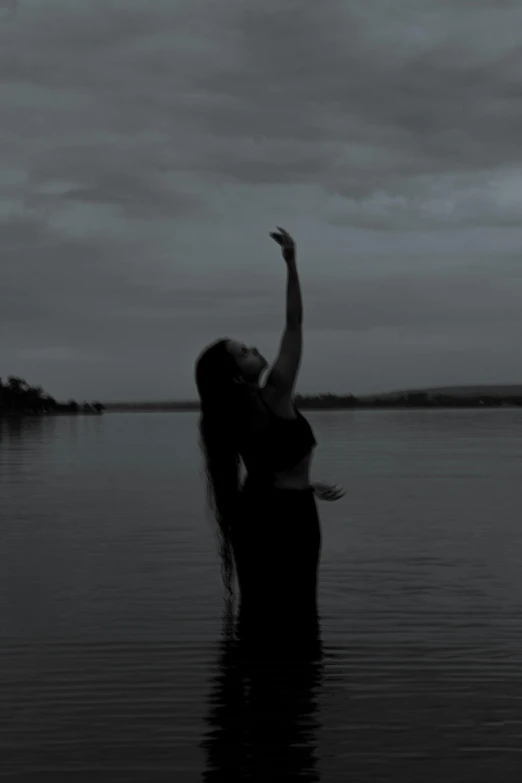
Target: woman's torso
{"points": [[267, 410]]}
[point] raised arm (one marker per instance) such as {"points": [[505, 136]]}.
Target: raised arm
{"points": [[283, 375]]}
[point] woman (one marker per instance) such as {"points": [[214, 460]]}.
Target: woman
{"points": [[269, 527]]}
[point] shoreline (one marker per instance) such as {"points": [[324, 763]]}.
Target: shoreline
{"points": [[354, 408], [46, 415]]}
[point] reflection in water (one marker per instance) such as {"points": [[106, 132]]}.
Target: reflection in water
{"points": [[13, 427], [262, 717]]}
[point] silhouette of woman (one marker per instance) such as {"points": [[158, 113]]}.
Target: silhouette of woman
{"points": [[268, 525]]}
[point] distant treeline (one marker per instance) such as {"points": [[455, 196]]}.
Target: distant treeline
{"points": [[408, 400], [336, 402], [17, 397]]}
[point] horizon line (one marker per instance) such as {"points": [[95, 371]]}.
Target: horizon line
{"points": [[367, 395]]}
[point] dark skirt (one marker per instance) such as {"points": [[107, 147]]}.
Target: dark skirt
{"points": [[276, 541]]}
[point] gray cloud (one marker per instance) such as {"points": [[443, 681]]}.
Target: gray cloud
{"points": [[148, 147]]}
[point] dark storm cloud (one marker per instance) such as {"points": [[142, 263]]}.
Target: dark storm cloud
{"points": [[137, 195], [285, 92], [147, 147], [426, 302], [443, 106]]}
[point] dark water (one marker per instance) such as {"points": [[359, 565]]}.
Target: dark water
{"points": [[118, 660]]}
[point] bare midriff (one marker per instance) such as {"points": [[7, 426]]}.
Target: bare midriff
{"points": [[297, 477]]}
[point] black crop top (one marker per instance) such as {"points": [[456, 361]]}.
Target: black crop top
{"points": [[281, 446]]}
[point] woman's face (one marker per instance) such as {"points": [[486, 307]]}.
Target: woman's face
{"points": [[249, 361]]}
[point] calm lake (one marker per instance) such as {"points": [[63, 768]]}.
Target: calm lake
{"points": [[117, 660]]}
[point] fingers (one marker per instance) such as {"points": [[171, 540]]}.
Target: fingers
{"points": [[286, 243], [332, 493], [336, 492], [287, 239], [283, 237]]}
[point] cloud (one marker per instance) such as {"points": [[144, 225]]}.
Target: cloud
{"points": [[362, 104], [8, 10], [60, 353], [423, 303], [147, 148], [446, 201]]}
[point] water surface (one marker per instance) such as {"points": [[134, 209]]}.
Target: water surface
{"points": [[118, 660]]}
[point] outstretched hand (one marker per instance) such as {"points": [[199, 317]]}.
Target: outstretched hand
{"points": [[285, 241], [328, 491]]}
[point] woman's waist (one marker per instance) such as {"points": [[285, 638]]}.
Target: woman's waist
{"points": [[253, 487], [296, 472], [296, 477], [278, 461], [255, 482]]}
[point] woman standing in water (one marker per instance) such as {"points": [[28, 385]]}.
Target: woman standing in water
{"points": [[269, 526]]}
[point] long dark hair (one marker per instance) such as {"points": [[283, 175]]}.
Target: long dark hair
{"points": [[223, 402]]}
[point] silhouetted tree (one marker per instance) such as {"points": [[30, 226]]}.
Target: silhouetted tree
{"points": [[17, 396]]}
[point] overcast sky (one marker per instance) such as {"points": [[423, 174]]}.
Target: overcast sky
{"points": [[149, 146]]}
